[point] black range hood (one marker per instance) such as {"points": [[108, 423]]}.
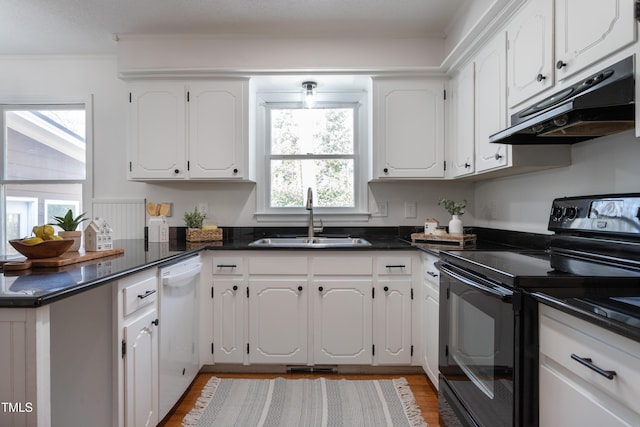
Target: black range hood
{"points": [[602, 104]]}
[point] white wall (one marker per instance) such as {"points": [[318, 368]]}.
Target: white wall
{"points": [[522, 203]]}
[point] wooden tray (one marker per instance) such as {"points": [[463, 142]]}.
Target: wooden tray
{"points": [[448, 240], [59, 261]]}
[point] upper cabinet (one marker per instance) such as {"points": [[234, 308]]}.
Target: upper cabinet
{"points": [[530, 51], [491, 104], [542, 52], [460, 123], [588, 30], [188, 131], [408, 128]]}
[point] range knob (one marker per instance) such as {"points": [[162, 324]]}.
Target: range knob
{"points": [[571, 212], [556, 213]]}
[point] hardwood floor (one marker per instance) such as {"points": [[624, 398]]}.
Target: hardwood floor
{"points": [[424, 393]]}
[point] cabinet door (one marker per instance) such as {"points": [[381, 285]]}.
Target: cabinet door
{"points": [[141, 371], [157, 131], [342, 321], [408, 128], [392, 322], [589, 30], [278, 321], [430, 323], [461, 127], [490, 104], [228, 320], [217, 129], [530, 51]]}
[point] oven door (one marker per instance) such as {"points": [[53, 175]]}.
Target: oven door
{"points": [[476, 352]]}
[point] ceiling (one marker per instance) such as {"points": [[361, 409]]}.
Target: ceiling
{"points": [[88, 26]]}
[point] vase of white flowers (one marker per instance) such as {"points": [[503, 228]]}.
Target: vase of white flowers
{"points": [[456, 209]]}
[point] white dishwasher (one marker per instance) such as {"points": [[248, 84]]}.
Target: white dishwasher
{"points": [[179, 364]]}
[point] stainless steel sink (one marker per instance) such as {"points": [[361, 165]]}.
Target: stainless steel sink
{"points": [[315, 242]]}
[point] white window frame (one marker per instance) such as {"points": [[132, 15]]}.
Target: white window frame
{"points": [[357, 100], [43, 103]]}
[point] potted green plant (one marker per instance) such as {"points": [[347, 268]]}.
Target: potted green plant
{"points": [[456, 210], [69, 225], [196, 231]]}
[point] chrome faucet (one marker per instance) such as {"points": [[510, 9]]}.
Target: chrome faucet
{"points": [[312, 230]]}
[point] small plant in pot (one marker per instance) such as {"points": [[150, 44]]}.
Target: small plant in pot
{"points": [[69, 225], [456, 209], [195, 232]]}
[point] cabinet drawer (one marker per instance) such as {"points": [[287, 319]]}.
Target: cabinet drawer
{"points": [[284, 264], [139, 295], [562, 336], [343, 266], [227, 265], [393, 265]]}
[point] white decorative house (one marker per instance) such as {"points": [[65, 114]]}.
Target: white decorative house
{"points": [[98, 236]]}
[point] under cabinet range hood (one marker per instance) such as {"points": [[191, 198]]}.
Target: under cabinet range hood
{"points": [[602, 104]]}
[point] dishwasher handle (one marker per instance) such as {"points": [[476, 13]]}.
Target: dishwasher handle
{"points": [[180, 279]]}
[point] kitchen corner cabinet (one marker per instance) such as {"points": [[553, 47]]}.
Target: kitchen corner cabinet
{"points": [[589, 30], [430, 318], [461, 123], [197, 130], [408, 128], [572, 392]]}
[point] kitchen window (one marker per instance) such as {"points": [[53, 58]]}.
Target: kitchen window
{"points": [[44, 165], [322, 148]]}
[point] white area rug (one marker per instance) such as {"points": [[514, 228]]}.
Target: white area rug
{"points": [[305, 403]]}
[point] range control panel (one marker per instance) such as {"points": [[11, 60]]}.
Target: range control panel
{"points": [[610, 213]]}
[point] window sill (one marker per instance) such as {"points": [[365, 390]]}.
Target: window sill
{"points": [[303, 218]]}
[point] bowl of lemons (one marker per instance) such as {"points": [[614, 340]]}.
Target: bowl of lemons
{"points": [[45, 243]]}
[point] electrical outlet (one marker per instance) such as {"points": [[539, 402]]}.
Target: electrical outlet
{"points": [[381, 209], [410, 209], [203, 208]]}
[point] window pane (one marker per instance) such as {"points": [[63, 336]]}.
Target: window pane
{"points": [[331, 179], [33, 204], [312, 131], [45, 144]]}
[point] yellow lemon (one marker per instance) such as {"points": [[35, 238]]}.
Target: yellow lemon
{"points": [[48, 230], [32, 241], [38, 230]]}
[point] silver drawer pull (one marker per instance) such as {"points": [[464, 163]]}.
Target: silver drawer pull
{"points": [[589, 364], [146, 294]]}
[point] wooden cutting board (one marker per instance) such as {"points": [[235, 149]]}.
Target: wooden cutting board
{"points": [[59, 261]]}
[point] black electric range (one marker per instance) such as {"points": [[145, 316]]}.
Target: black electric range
{"points": [[592, 268]]}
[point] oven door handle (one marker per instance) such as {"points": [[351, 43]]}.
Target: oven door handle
{"points": [[486, 287]]}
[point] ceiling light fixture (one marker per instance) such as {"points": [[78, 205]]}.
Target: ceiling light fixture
{"points": [[309, 93]]}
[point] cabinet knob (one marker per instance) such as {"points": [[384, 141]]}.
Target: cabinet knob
{"points": [[540, 77], [467, 165], [386, 171], [235, 171], [176, 171], [560, 64], [320, 288], [386, 289], [155, 322], [235, 287], [498, 156], [300, 288]]}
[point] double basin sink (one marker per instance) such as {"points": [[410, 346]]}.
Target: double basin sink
{"points": [[310, 242]]}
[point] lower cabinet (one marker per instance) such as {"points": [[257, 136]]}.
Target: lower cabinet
{"points": [[430, 318], [321, 309], [588, 375], [342, 321]]}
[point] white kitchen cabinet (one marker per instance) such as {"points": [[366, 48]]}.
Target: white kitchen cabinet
{"points": [[278, 310], [490, 104], [137, 332], [197, 130], [530, 66], [229, 297], [392, 321], [589, 30], [461, 123], [342, 321], [408, 128], [573, 394], [430, 317]]}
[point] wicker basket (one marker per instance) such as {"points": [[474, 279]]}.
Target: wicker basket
{"points": [[202, 235]]}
